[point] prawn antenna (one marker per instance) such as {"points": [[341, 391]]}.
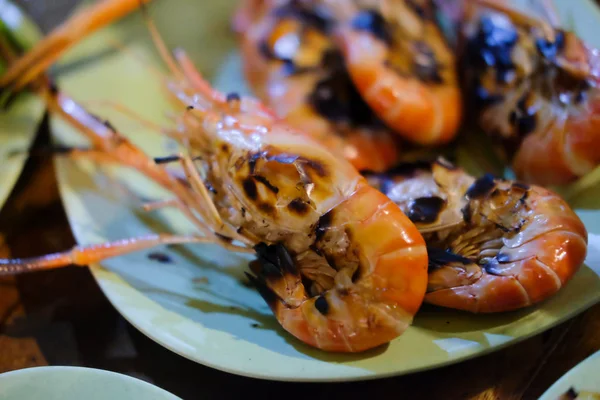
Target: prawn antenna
{"points": [[159, 42]]}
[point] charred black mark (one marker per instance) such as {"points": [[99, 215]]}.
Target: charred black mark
{"points": [[492, 267], [550, 49], [265, 50], [373, 22], [243, 213], [252, 161], [160, 257], [190, 107], [524, 118], [285, 259], [322, 305], [491, 47], [484, 98], [262, 289], [422, 12], [502, 228], [318, 167], [580, 92], [310, 17], [233, 96], [284, 158], [210, 187], [275, 259], [110, 126], [266, 208], [225, 148], [224, 238], [467, 213], [166, 160], [269, 269], [426, 209], [250, 188], [267, 184], [53, 88], [298, 206], [323, 224], [316, 250], [239, 163], [267, 261], [425, 64], [385, 181], [481, 186], [356, 275], [438, 258], [336, 98], [520, 185], [502, 258], [572, 393]]}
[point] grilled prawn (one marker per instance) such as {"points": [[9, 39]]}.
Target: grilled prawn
{"points": [[494, 245], [535, 89], [402, 66], [294, 66], [340, 265]]}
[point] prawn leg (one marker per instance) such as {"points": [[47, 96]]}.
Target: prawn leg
{"points": [[83, 256], [49, 50]]}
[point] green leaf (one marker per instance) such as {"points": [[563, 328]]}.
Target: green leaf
{"points": [[20, 121]]}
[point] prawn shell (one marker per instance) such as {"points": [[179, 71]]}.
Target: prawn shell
{"points": [[288, 95], [422, 113], [531, 266], [389, 288]]}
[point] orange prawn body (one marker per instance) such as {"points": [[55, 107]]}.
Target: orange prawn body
{"points": [[292, 64], [403, 68], [536, 92], [340, 265], [494, 245]]}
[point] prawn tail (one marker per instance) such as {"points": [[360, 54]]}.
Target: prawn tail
{"points": [[33, 64]]}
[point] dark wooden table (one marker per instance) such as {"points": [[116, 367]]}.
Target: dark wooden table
{"points": [[62, 318]]}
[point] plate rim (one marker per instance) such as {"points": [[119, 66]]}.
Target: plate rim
{"points": [[89, 371], [96, 270], [567, 375]]}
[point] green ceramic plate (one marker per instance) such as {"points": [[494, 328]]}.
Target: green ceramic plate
{"points": [[73, 383], [197, 305], [19, 123], [584, 377]]}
